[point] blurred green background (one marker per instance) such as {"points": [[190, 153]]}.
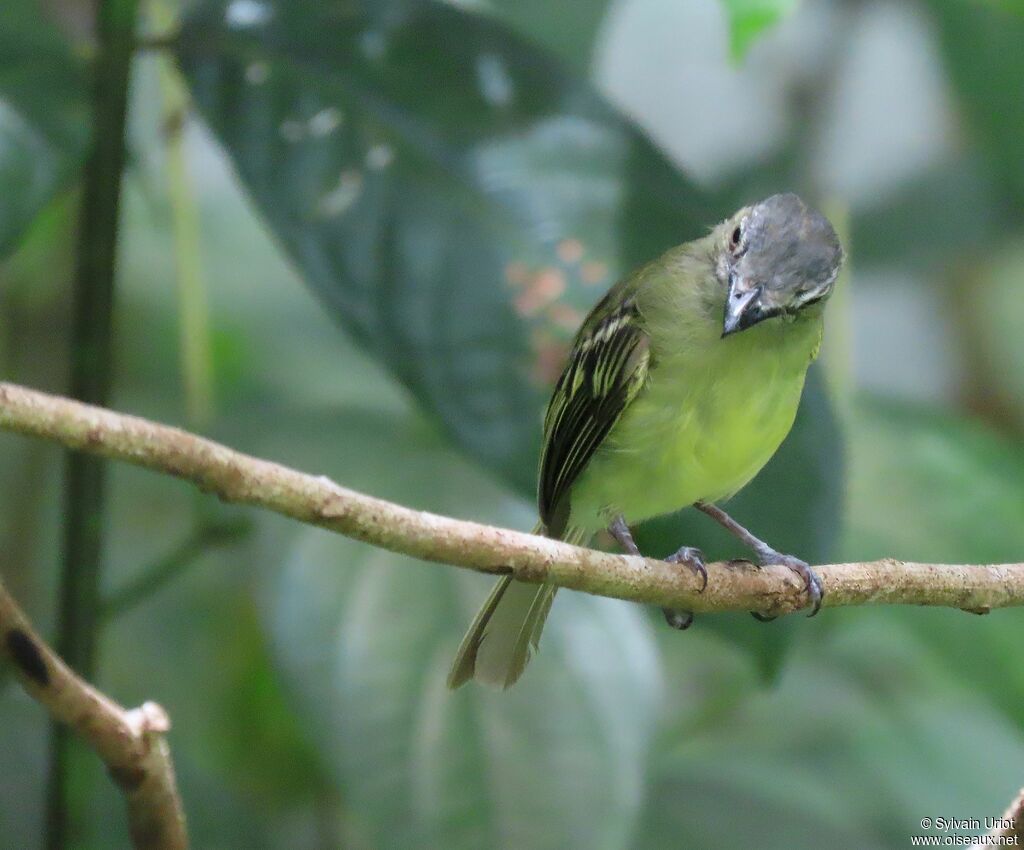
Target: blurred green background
{"points": [[356, 237]]}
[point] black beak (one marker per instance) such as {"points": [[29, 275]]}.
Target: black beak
{"points": [[744, 310]]}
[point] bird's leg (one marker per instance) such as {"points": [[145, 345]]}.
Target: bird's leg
{"points": [[687, 555], [767, 555]]}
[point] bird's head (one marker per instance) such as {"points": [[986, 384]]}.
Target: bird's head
{"points": [[778, 258]]}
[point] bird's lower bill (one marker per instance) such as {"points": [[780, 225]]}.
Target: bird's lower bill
{"points": [[744, 309]]}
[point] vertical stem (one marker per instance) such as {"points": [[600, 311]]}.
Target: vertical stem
{"points": [[185, 225], [91, 355], [194, 317]]}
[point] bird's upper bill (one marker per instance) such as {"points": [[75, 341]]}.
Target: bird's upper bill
{"points": [[786, 257]]}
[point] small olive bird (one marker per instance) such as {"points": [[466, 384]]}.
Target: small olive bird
{"points": [[681, 384]]}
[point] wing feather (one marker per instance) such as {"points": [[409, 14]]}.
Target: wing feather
{"points": [[607, 366]]}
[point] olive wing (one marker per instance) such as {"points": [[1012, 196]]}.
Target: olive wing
{"points": [[607, 367]]}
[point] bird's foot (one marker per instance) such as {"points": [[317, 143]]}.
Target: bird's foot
{"points": [[677, 619], [812, 583], [694, 559]]}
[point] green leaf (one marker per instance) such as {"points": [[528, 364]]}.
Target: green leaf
{"points": [[43, 117], [928, 487], [285, 767], [1010, 6], [364, 638], [854, 744], [981, 49], [456, 198], [749, 18]]}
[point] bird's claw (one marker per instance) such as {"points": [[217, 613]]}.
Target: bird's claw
{"points": [[812, 583], [694, 559], [677, 619]]}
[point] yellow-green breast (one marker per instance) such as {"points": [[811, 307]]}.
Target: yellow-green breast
{"points": [[711, 415]]}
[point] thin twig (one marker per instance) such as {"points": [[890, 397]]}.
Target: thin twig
{"points": [[130, 742], [202, 539], [236, 477]]}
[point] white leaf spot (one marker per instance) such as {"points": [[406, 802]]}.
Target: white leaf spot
{"points": [[373, 44], [257, 73], [247, 13], [494, 80], [379, 157], [342, 196], [326, 121]]}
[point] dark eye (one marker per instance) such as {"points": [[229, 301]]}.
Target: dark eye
{"points": [[735, 240]]}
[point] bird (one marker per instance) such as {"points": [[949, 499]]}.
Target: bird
{"points": [[680, 385]]}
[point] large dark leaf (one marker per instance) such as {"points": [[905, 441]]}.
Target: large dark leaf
{"points": [[455, 198], [43, 116], [568, 29]]}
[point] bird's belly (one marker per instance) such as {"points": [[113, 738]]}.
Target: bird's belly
{"points": [[675, 446]]}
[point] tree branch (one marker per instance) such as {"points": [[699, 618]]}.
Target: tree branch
{"points": [[130, 742], [239, 478]]}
